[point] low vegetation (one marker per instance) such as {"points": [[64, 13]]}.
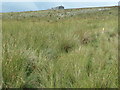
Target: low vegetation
{"points": [[61, 49]]}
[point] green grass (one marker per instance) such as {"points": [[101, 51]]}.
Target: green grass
{"points": [[79, 51]]}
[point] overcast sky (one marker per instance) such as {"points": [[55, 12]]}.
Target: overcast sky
{"points": [[59, 0], [28, 5]]}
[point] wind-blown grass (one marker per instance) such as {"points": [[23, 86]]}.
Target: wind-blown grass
{"points": [[79, 51]]}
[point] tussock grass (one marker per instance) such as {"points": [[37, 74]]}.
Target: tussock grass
{"points": [[73, 52]]}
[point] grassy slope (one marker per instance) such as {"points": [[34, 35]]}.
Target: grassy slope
{"points": [[41, 49]]}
